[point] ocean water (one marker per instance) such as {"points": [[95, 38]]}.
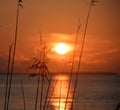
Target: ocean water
{"points": [[93, 92]]}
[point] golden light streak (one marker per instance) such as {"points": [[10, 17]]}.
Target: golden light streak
{"points": [[60, 92]]}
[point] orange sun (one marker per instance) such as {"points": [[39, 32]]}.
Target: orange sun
{"points": [[61, 48]]}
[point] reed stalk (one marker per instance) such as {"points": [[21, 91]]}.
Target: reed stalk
{"points": [[80, 56], [14, 53], [7, 78], [60, 94], [38, 80], [51, 94], [41, 96], [23, 94], [42, 76], [36, 99], [40, 65], [71, 73], [48, 89]]}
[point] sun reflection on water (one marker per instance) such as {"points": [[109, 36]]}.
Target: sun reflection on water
{"points": [[60, 93]]}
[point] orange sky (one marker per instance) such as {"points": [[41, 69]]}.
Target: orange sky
{"points": [[57, 20]]}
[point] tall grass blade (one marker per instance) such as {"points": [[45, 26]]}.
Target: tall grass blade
{"points": [[23, 94], [51, 94], [41, 95], [7, 79], [48, 90], [38, 80], [79, 63], [60, 94], [14, 52], [36, 99], [69, 84]]}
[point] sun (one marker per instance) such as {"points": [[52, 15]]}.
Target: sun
{"points": [[61, 48]]}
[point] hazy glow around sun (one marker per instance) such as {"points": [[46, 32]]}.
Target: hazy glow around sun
{"points": [[61, 48]]}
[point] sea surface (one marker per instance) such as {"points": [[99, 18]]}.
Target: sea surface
{"points": [[93, 92]]}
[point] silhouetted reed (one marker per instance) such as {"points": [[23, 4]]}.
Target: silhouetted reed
{"points": [[71, 72], [43, 72], [51, 94], [47, 94], [7, 78], [23, 94], [40, 66], [14, 52], [60, 92], [81, 51]]}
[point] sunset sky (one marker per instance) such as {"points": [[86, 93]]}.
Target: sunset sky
{"points": [[58, 20]]}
